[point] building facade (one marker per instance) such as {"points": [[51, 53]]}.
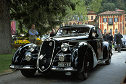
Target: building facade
{"points": [[91, 16], [89, 19], [113, 21]]}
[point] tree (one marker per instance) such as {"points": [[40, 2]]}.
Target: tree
{"points": [[45, 13], [120, 4], [108, 7], [95, 5], [112, 5], [81, 8], [5, 29]]}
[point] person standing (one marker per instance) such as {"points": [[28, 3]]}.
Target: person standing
{"points": [[109, 39], [119, 41], [32, 34], [52, 33]]}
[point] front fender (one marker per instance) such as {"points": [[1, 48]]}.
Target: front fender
{"points": [[19, 55], [86, 47]]}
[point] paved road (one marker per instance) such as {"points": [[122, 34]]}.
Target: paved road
{"points": [[102, 74]]}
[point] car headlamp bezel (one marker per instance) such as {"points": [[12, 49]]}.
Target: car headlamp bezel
{"points": [[65, 47], [32, 47], [28, 56]]}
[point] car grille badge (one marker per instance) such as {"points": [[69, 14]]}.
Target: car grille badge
{"points": [[61, 58], [50, 44]]}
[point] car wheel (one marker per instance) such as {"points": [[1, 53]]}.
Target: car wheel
{"points": [[83, 75], [28, 73], [115, 49]]}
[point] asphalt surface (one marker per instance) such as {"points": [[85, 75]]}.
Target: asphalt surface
{"points": [[102, 74]]}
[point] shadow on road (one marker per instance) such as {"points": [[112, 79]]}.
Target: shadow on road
{"points": [[62, 77]]}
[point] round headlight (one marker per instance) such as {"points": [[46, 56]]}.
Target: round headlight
{"points": [[28, 56], [64, 47]]}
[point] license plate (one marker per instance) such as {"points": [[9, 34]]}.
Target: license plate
{"points": [[64, 64]]}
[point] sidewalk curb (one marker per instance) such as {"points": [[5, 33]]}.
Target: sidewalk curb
{"points": [[6, 73]]}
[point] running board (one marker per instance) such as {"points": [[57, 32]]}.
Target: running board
{"points": [[102, 61]]}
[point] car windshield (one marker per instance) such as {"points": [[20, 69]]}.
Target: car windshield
{"points": [[73, 31]]}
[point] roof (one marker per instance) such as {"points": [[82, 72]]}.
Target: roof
{"points": [[116, 12], [119, 10], [110, 13]]}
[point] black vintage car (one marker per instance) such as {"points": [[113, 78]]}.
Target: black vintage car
{"points": [[74, 49]]}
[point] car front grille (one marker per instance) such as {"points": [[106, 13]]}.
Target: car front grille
{"points": [[47, 51]]}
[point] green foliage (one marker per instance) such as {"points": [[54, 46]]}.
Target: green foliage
{"points": [[108, 6], [80, 11], [121, 4], [5, 61], [81, 8], [112, 5], [46, 14], [95, 5]]}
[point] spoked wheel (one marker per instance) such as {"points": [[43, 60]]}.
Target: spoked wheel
{"points": [[28, 73]]}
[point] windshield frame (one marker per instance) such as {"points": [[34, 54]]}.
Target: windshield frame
{"points": [[75, 34]]}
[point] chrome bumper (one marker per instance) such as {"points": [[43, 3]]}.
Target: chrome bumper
{"points": [[21, 67], [63, 69]]}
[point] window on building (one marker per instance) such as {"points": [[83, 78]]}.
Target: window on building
{"points": [[116, 30], [111, 31], [74, 23], [66, 24], [115, 19], [61, 25], [104, 19], [91, 17], [110, 21], [104, 31]]}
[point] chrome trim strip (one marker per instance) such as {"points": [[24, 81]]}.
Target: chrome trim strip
{"points": [[63, 69], [50, 61]]}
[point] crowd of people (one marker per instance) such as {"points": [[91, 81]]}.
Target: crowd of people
{"points": [[116, 39]]}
